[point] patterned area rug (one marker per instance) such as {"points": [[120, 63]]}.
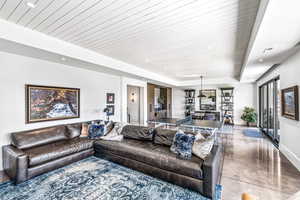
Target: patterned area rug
{"points": [[95, 178]]}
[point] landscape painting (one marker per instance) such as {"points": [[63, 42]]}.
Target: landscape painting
{"points": [[44, 103], [290, 104]]}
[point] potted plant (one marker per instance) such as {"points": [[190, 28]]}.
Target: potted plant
{"points": [[249, 115]]}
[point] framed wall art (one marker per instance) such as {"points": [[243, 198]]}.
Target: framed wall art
{"points": [[111, 110], [45, 103], [110, 98], [208, 99], [290, 103]]}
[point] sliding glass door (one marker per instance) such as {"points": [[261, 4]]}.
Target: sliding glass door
{"points": [[269, 101]]}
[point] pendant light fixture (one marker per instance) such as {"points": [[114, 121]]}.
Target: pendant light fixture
{"points": [[201, 94]]}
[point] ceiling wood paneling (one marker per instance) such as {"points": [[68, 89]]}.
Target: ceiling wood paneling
{"points": [[170, 37]]}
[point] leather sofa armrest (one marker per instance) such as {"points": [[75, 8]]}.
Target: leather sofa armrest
{"points": [[15, 163], [211, 171]]}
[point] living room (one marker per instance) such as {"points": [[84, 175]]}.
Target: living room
{"points": [[137, 100]]}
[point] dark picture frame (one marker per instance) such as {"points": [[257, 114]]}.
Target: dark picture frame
{"points": [[111, 110], [290, 103], [208, 99], [48, 103], [110, 98]]}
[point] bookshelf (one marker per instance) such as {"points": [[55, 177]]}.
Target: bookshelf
{"points": [[227, 105], [189, 102]]}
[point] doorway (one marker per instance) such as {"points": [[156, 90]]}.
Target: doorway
{"points": [[134, 104], [269, 109], [159, 102]]}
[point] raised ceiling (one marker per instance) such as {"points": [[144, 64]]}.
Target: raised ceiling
{"points": [[180, 39], [276, 39]]}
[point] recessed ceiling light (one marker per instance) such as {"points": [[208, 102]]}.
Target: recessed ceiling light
{"points": [[267, 49], [261, 60], [30, 4], [63, 59]]}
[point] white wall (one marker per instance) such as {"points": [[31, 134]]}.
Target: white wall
{"points": [[244, 95], [290, 130], [16, 71], [178, 100]]}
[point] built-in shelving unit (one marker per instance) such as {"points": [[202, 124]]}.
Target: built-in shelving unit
{"points": [[189, 102], [227, 105]]}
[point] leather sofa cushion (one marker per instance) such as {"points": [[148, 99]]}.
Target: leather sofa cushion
{"points": [[37, 137], [42, 154], [164, 136], [74, 130], [155, 155], [138, 132]]}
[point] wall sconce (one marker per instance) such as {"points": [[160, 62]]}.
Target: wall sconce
{"points": [[132, 97]]}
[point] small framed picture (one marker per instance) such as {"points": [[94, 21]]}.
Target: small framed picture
{"points": [[110, 98], [290, 103], [111, 109]]}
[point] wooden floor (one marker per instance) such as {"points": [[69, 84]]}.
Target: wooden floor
{"points": [[255, 166], [3, 177]]}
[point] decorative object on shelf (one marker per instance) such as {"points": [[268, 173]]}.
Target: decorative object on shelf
{"points": [[290, 103], [189, 101], [227, 105], [110, 98], [208, 99], [45, 103], [249, 115]]}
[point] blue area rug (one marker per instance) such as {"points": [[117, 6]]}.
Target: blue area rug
{"points": [[253, 132], [95, 178]]}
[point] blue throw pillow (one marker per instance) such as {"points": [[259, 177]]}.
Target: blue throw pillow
{"points": [[96, 131], [183, 144]]}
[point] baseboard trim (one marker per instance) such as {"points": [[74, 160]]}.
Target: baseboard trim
{"points": [[295, 160]]}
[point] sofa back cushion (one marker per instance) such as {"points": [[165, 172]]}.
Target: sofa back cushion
{"points": [[74, 130], [164, 136], [138, 132], [37, 137]]}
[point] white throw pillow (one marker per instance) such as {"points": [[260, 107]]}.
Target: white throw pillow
{"points": [[114, 134], [199, 136], [202, 147]]}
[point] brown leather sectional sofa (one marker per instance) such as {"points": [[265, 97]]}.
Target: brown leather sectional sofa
{"points": [[34, 152]]}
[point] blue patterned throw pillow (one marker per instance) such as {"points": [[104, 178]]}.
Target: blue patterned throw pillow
{"points": [[96, 131], [183, 144]]}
